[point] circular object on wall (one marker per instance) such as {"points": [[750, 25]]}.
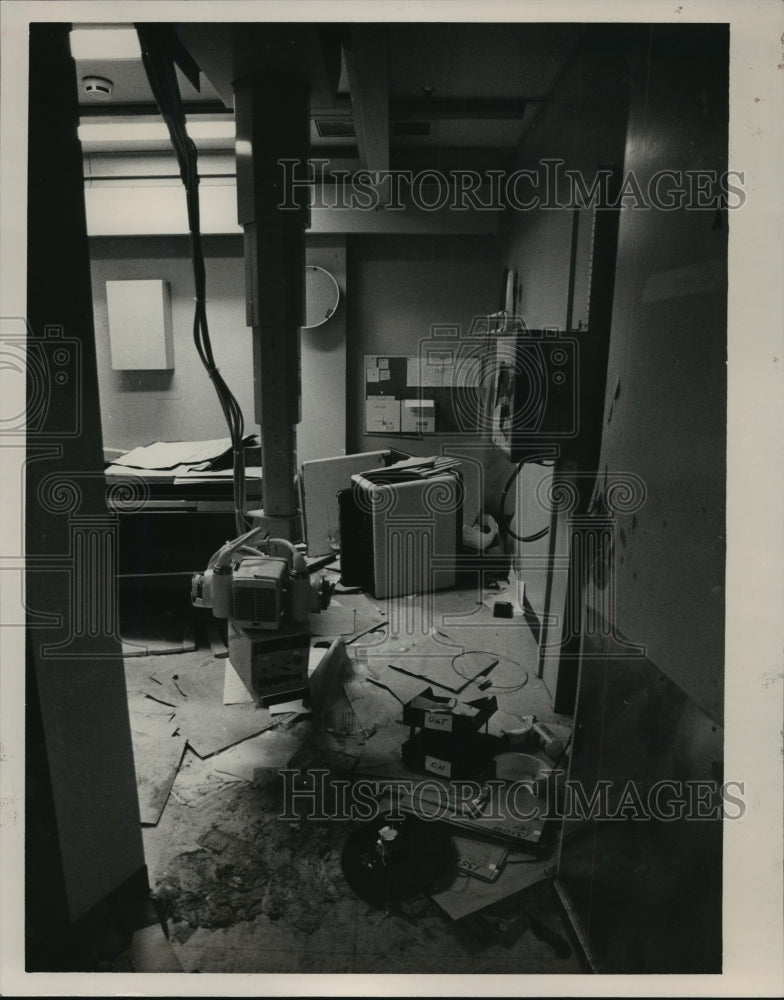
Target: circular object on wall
{"points": [[322, 295]]}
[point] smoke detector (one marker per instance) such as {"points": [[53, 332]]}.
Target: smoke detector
{"points": [[97, 87]]}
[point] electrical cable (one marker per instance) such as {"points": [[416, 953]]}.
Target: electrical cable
{"points": [[504, 529], [497, 659], [159, 67]]}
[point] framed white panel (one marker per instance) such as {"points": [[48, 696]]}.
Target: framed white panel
{"points": [[140, 325]]}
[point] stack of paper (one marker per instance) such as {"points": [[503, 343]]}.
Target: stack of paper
{"points": [[174, 456], [195, 474], [411, 468]]}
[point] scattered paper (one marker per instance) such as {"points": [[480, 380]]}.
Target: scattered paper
{"points": [[467, 895], [317, 654], [234, 690], [272, 750], [479, 858], [128, 472], [403, 686], [208, 724], [156, 759], [140, 702], [454, 673], [189, 474], [363, 703], [154, 724], [296, 707], [349, 617], [491, 816], [168, 454]]}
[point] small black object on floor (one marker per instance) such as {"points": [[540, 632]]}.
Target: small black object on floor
{"points": [[389, 860]]}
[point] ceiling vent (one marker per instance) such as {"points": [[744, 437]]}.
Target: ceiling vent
{"points": [[411, 128], [335, 128]]}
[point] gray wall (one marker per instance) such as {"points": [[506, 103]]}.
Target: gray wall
{"points": [[665, 413], [583, 123], [140, 407], [322, 431], [668, 370], [400, 287]]}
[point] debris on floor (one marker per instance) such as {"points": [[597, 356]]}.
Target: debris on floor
{"points": [[402, 686], [453, 672], [506, 921], [518, 823], [390, 860], [380, 754], [208, 724], [247, 861], [466, 895], [478, 857], [348, 616], [198, 785], [234, 690], [271, 751], [227, 857], [157, 760]]}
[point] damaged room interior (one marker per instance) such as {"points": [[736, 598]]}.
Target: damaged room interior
{"points": [[375, 480]]}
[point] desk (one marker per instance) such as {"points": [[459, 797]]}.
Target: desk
{"points": [[168, 527]]}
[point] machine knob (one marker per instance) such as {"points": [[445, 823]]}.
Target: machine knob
{"points": [[320, 593]]}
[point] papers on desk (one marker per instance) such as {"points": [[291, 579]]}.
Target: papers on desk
{"points": [[129, 472], [198, 475], [411, 468], [170, 455]]}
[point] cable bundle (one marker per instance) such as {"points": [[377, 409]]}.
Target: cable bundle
{"points": [[159, 67], [506, 529]]}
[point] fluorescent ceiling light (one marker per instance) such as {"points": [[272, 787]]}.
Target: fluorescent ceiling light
{"points": [[131, 132], [105, 43]]}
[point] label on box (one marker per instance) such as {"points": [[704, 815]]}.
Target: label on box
{"points": [[418, 415], [437, 766], [440, 722], [382, 414]]}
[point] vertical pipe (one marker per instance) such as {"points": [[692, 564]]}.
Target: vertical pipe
{"points": [[273, 121]]}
